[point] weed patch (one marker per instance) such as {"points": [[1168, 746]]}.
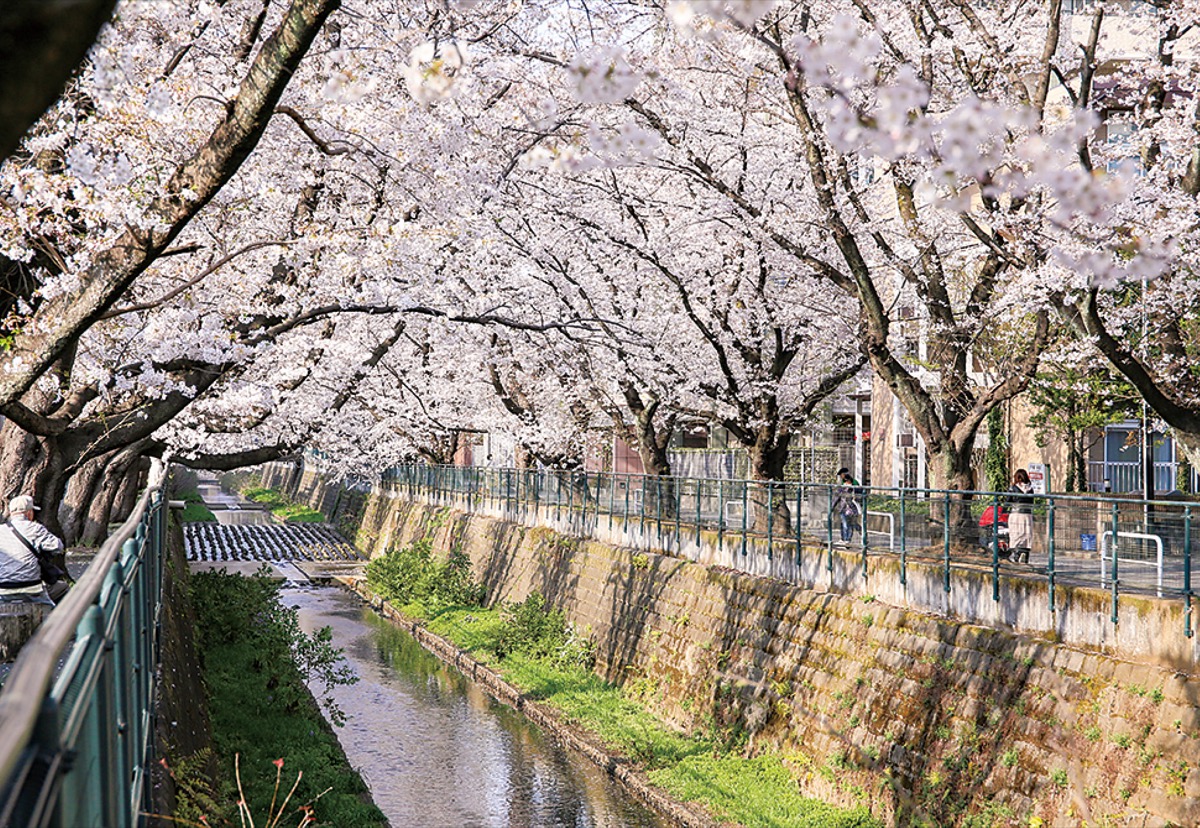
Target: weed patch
{"points": [[256, 660], [283, 508], [757, 793]]}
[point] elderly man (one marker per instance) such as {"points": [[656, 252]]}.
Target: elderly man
{"points": [[24, 543]]}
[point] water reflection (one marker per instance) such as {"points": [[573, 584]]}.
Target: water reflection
{"points": [[437, 752]]}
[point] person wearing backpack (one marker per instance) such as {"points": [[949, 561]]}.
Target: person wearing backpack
{"points": [[27, 551]]}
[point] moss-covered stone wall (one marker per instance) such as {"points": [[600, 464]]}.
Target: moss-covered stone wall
{"points": [[927, 719]]}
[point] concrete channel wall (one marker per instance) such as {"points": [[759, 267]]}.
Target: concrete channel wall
{"points": [[924, 717]]}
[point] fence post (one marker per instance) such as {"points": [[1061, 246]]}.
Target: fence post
{"points": [[829, 528], [946, 544], [642, 506], [583, 497], [996, 548], [1050, 549], [720, 516], [799, 514], [612, 493], [698, 482], [1187, 571], [745, 504], [657, 505], [677, 489], [1115, 588], [903, 544], [770, 521], [625, 528]]}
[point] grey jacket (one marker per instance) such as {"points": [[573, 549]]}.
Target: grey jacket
{"points": [[17, 563]]}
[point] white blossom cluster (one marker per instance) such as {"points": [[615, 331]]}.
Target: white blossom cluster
{"points": [[693, 208]]}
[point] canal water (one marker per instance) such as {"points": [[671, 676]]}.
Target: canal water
{"points": [[438, 752]]}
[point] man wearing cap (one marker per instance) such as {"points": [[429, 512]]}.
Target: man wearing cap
{"points": [[22, 542]]}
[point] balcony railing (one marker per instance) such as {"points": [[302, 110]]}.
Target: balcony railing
{"points": [[1119, 477]]}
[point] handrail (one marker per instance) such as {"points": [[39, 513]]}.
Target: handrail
{"points": [[29, 682], [1158, 541], [689, 518]]}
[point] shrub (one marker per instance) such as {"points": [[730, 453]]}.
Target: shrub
{"points": [[536, 629], [412, 575], [184, 486]]}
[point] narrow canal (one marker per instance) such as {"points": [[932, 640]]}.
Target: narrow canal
{"points": [[438, 752]]}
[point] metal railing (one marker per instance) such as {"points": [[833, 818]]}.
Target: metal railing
{"points": [[752, 525], [76, 711], [1124, 476]]}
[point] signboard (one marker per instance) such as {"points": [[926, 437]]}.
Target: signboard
{"points": [[1039, 476]]}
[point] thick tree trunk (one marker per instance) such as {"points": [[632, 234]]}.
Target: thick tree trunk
{"points": [[951, 469], [1189, 442], [80, 499], [132, 482], [34, 466], [659, 493], [768, 457], [23, 459], [112, 499]]}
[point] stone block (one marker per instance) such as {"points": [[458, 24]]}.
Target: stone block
{"points": [[18, 621]]}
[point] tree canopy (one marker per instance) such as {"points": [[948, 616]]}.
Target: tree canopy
{"points": [[370, 228]]}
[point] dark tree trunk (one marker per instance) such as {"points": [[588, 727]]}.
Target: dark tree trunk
{"points": [[768, 457], [132, 482], [33, 465], [112, 498], [951, 469], [659, 492], [81, 499]]}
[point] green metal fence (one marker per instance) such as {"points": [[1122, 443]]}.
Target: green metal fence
{"points": [[76, 711], [1115, 543]]}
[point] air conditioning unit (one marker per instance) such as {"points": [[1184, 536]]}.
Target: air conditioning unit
{"points": [[904, 441]]}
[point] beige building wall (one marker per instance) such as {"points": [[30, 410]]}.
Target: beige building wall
{"points": [[883, 437], [1024, 448]]}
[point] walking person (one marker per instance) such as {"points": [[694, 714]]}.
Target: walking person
{"points": [[27, 550], [845, 506], [1020, 517]]}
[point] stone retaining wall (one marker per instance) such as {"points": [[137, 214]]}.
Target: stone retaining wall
{"points": [[928, 720]]}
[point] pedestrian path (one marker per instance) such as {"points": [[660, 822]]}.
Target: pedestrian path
{"points": [[292, 542]]}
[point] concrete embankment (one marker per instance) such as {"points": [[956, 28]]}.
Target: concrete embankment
{"points": [[921, 716]]}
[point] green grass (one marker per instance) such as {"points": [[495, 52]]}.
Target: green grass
{"points": [[757, 793], [261, 710], [195, 511], [283, 508]]}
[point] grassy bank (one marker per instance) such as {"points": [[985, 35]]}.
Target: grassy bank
{"points": [[532, 646], [281, 507], [185, 487], [263, 714]]}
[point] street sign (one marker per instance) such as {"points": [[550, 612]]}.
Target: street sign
{"points": [[1039, 476]]}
